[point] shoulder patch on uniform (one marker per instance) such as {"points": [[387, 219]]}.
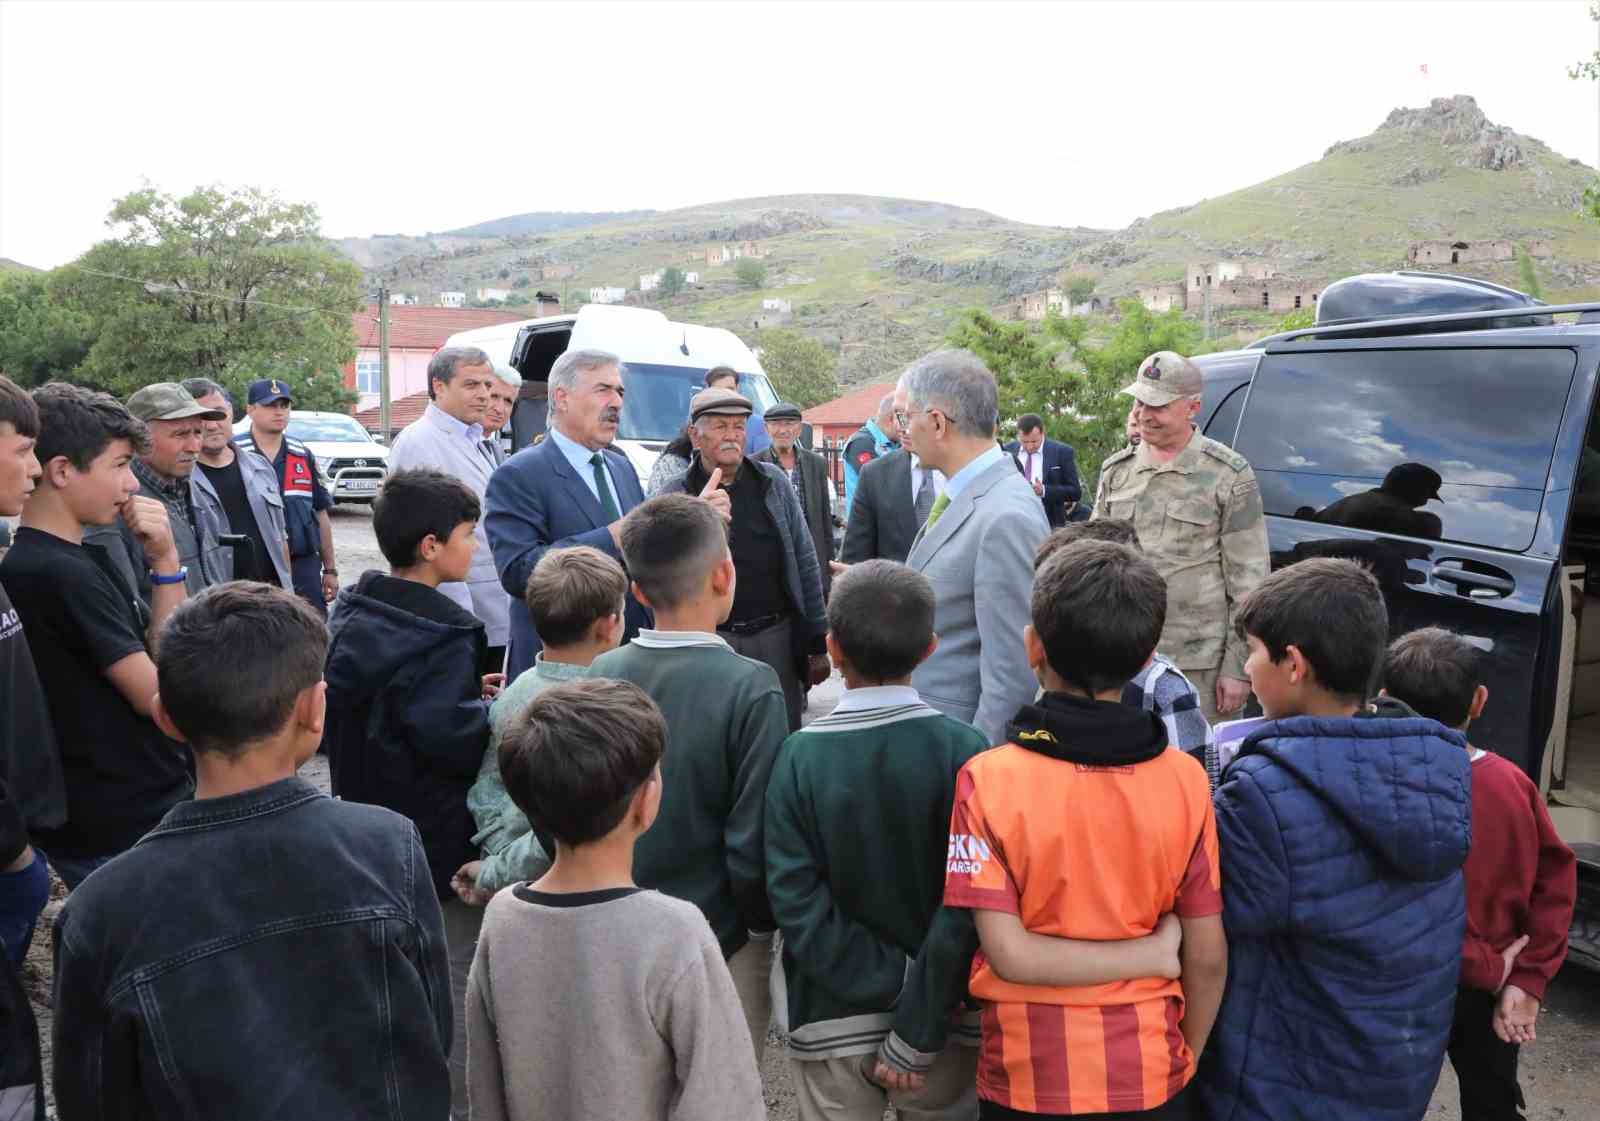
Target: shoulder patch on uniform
{"points": [[1247, 486], [1223, 452], [863, 458]]}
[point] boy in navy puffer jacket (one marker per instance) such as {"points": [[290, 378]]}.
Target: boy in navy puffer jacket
{"points": [[1343, 828]]}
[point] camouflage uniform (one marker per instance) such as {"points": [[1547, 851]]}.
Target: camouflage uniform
{"points": [[1199, 520]]}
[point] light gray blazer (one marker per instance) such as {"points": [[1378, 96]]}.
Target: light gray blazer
{"points": [[979, 557], [266, 503], [433, 440]]}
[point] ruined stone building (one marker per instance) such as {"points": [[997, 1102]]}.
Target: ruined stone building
{"points": [[1448, 252]]}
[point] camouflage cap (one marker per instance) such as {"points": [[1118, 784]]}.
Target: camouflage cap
{"points": [[167, 400], [1163, 378]]}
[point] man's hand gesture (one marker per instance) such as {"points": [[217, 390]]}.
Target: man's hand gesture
{"points": [[714, 494], [148, 520]]}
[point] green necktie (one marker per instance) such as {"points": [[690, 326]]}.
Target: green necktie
{"points": [[940, 505], [607, 504]]}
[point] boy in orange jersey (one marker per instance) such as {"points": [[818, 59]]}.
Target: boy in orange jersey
{"points": [[1089, 824]]}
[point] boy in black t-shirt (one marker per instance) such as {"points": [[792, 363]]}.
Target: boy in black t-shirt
{"points": [[91, 639]]}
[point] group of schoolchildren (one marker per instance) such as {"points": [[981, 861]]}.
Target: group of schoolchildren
{"points": [[593, 890]]}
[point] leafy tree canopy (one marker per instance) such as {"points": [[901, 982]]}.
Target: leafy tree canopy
{"points": [[800, 368], [1081, 406], [230, 285], [672, 280], [751, 272]]}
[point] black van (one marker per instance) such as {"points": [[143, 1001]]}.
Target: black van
{"points": [[1444, 431]]}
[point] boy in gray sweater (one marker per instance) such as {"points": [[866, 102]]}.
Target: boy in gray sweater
{"points": [[627, 1009], [726, 719]]}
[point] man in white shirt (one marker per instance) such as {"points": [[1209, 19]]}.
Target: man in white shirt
{"points": [[449, 437]]}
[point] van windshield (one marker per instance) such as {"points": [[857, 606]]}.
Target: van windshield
{"points": [[657, 403]]}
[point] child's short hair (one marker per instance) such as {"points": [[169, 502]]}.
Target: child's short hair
{"points": [[1118, 531], [1434, 671], [232, 660], [669, 544], [571, 588], [575, 756], [17, 409], [80, 423], [1098, 608], [1332, 610], [881, 615], [415, 503]]}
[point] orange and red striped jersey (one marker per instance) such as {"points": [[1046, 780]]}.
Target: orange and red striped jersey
{"points": [[1076, 850]]}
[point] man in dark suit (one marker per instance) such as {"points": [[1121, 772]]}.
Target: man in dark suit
{"points": [[808, 472], [570, 489], [1049, 466], [893, 498]]}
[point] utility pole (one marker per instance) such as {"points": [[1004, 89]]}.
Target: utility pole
{"points": [[1207, 303], [383, 365]]}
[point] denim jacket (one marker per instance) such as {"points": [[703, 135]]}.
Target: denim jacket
{"points": [[268, 954]]}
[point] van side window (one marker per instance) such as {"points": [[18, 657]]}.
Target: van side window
{"points": [[1447, 445], [1225, 421]]}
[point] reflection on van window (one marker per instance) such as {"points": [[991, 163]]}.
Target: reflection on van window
{"points": [[1393, 507], [656, 406], [1475, 429]]}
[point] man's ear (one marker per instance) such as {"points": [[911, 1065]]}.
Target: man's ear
{"points": [[638, 594], [933, 644], [1480, 698], [1299, 669], [723, 576], [311, 708], [1031, 643], [58, 471], [428, 548], [163, 719], [834, 653]]}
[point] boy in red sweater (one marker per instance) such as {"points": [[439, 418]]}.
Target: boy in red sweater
{"points": [[1521, 881]]}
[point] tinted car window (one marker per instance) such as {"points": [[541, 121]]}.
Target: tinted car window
{"points": [[1225, 421], [329, 429], [1444, 444], [656, 406]]}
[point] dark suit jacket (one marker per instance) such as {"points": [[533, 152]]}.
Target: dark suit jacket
{"points": [[819, 514], [883, 520], [536, 502], [1060, 476]]}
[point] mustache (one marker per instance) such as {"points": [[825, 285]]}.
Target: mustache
{"points": [[610, 415], [730, 445]]}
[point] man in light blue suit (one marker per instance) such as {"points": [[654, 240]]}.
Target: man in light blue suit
{"points": [[572, 489], [976, 547]]}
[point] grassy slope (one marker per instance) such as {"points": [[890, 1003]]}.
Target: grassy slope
{"points": [[1349, 212]]}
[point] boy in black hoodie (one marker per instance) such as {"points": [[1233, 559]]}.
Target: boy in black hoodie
{"points": [[408, 715]]}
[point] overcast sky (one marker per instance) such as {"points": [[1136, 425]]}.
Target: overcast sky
{"points": [[409, 117]]}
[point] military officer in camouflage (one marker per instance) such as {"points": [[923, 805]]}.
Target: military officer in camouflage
{"points": [[1197, 509]]}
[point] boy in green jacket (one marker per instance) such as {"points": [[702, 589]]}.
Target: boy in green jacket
{"points": [[576, 598], [726, 718]]}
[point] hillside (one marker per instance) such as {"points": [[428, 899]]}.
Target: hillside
{"points": [[8, 265], [878, 279]]}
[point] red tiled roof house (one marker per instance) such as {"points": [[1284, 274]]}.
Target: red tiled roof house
{"points": [[415, 333]]}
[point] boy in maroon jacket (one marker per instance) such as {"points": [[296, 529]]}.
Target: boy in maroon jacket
{"points": [[1521, 880]]}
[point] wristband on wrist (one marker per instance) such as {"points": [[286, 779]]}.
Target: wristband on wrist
{"points": [[330, 572], [177, 577]]}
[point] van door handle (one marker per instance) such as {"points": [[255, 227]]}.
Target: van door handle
{"points": [[1492, 584]]}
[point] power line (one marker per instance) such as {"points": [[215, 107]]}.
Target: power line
{"points": [[155, 287]]}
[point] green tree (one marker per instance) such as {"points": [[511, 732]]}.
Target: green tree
{"points": [[1590, 68], [230, 285], [1528, 274], [1083, 407], [672, 280], [1298, 319], [43, 334], [1080, 288], [751, 272], [800, 368]]}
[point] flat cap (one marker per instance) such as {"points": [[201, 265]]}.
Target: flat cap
{"points": [[718, 402], [167, 400], [783, 410], [1163, 378]]}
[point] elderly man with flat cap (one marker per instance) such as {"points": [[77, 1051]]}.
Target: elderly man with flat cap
{"points": [[808, 472], [1197, 509], [166, 473], [777, 615]]}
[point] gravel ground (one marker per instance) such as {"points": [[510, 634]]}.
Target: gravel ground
{"points": [[1558, 1072]]}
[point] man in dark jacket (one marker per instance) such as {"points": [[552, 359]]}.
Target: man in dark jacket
{"points": [[408, 718], [777, 615], [808, 471], [1342, 829], [1049, 466]]}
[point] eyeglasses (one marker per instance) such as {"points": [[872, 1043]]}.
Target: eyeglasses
{"points": [[904, 419]]}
